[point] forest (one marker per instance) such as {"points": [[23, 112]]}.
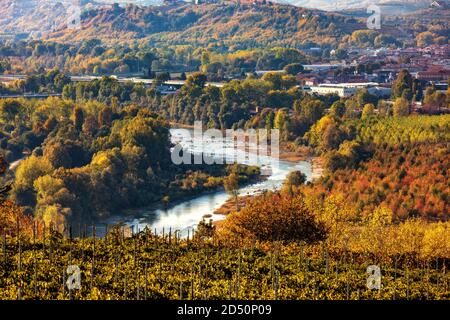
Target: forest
{"points": [[104, 147], [84, 161]]}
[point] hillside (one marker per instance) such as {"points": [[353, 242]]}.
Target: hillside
{"points": [[181, 23], [217, 25], [35, 17]]}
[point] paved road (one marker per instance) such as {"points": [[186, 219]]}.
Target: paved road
{"points": [[31, 96], [177, 83]]}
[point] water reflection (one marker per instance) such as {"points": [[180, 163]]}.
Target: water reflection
{"points": [[185, 215]]}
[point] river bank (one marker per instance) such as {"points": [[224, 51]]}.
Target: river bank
{"points": [[317, 171], [176, 125], [185, 214], [172, 200]]}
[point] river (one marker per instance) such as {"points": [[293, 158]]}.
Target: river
{"points": [[185, 215]]}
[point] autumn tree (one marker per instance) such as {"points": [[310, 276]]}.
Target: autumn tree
{"points": [[384, 108], [27, 172], [294, 68], [231, 185], [274, 217], [368, 110], [105, 117], [4, 189], [401, 107], [90, 125], [64, 153], [434, 101], [11, 215], [78, 118], [402, 84], [294, 180], [425, 38]]}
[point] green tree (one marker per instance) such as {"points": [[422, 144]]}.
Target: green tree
{"points": [[401, 107], [197, 79], [275, 79], [294, 68], [341, 53], [161, 78], [311, 110], [294, 180], [401, 84], [9, 109], [337, 109], [351, 109], [231, 185], [27, 172], [368, 110], [78, 118]]}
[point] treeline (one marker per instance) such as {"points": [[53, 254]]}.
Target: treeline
{"points": [[92, 57], [186, 39], [273, 101], [52, 81], [85, 161]]}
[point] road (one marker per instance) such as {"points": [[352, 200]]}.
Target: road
{"points": [[31, 96], [175, 83]]}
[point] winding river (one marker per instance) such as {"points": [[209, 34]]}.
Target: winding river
{"points": [[186, 214]]}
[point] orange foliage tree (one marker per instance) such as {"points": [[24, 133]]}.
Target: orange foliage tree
{"points": [[274, 217], [12, 218]]}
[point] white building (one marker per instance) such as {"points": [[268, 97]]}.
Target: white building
{"points": [[344, 89], [328, 89], [321, 67]]}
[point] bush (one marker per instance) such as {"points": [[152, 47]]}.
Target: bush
{"points": [[272, 217]]}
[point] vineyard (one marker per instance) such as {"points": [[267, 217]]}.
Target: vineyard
{"points": [[139, 266], [406, 130]]}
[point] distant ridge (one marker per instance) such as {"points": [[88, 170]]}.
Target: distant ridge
{"points": [[231, 25]]}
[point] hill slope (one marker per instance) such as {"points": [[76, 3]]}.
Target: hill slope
{"points": [[224, 24], [182, 23]]}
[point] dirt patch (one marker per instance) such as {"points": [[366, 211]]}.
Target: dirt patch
{"points": [[230, 205], [291, 153], [317, 166]]}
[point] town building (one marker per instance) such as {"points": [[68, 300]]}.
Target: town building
{"points": [[344, 90], [433, 75]]}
